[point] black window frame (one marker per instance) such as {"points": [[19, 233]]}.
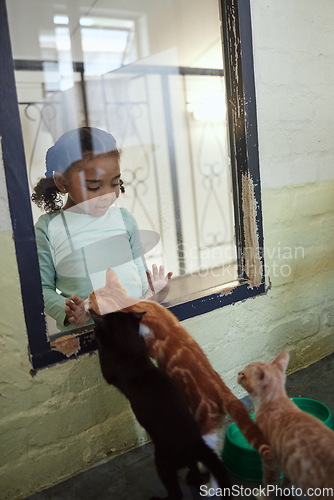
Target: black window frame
{"points": [[241, 100]]}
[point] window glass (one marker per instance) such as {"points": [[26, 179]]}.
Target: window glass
{"points": [[151, 74]]}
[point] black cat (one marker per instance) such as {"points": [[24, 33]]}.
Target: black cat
{"points": [[155, 400]]}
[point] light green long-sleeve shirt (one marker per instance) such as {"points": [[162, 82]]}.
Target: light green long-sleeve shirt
{"points": [[75, 250]]}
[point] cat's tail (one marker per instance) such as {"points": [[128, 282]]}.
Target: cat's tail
{"points": [[237, 411], [209, 458]]}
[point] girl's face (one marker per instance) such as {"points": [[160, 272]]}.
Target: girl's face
{"points": [[93, 188]]}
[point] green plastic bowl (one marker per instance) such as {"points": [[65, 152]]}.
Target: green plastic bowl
{"points": [[317, 409], [243, 461]]}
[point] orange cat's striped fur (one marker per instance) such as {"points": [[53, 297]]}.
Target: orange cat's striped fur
{"points": [[177, 353], [303, 445]]}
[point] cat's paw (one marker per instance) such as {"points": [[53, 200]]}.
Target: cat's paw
{"points": [[266, 452]]}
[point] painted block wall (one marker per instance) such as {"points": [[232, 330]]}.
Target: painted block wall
{"points": [[66, 419]]}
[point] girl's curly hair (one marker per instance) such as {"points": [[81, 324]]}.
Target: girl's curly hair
{"points": [[72, 147], [46, 195]]}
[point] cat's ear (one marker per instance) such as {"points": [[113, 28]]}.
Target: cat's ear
{"points": [[110, 277], [138, 315], [282, 361], [260, 375], [96, 317]]}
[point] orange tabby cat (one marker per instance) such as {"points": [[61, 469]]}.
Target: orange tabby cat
{"points": [[303, 445], [177, 353]]}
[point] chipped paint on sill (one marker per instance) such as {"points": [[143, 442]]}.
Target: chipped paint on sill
{"points": [[227, 290], [68, 345]]}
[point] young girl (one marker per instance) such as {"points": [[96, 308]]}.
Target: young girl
{"points": [[77, 243]]}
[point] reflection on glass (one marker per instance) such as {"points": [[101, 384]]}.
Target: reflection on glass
{"points": [[107, 44], [151, 74]]}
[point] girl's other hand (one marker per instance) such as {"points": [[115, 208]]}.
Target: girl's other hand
{"points": [[75, 311], [159, 284]]}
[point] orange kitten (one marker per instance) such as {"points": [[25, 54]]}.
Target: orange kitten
{"points": [[177, 353], [303, 445]]}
